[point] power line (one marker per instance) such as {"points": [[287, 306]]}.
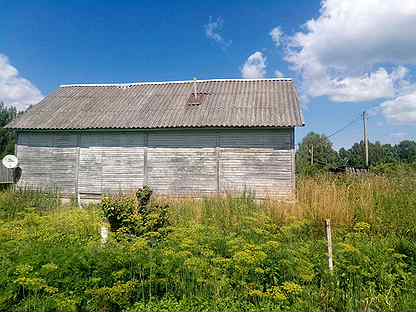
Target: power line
{"points": [[355, 120], [345, 127], [364, 117]]}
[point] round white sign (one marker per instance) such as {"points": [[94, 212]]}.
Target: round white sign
{"points": [[10, 161]]}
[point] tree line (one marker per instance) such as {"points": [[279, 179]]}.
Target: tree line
{"points": [[316, 154], [7, 137]]}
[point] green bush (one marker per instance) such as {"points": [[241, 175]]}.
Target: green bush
{"points": [[136, 215], [118, 210], [226, 254]]}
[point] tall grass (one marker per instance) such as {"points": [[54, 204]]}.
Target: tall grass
{"points": [[15, 202], [341, 199], [345, 200], [230, 253]]}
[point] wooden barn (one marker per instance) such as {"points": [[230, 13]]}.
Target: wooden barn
{"points": [[189, 138]]}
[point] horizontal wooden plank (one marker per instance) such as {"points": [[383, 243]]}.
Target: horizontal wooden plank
{"points": [[178, 162], [47, 160], [182, 170]]}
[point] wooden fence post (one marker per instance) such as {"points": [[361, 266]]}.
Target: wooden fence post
{"points": [[329, 242], [104, 233]]}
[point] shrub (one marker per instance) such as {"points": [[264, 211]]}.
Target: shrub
{"points": [[136, 215], [118, 210]]}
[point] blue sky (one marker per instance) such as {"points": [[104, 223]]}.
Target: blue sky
{"points": [[339, 73]]}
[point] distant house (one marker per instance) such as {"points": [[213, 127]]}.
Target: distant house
{"points": [[190, 138]]}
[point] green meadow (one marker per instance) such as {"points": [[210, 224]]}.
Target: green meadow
{"points": [[215, 254]]}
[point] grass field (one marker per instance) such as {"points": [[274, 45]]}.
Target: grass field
{"points": [[224, 254]]}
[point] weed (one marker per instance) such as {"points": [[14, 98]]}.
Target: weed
{"points": [[228, 253]]}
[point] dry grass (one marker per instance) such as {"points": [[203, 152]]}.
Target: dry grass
{"points": [[342, 199], [339, 198]]}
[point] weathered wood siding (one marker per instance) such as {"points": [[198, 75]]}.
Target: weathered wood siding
{"points": [[90, 164], [258, 161], [110, 162], [174, 162], [48, 160], [182, 162], [6, 175]]}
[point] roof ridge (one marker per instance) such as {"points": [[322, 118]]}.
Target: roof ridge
{"points": [[167, 82]]}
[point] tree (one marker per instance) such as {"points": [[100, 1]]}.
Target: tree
{"points": [[7, 137], [406, 151], [390, 154], [324, 156], [377, 154]]}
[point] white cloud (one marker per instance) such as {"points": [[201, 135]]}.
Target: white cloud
{"points": [[367, 87], [276, 34], [401, 110], [255, 66], [278, 74], [14, 89], [347, 52], [213, 31]]}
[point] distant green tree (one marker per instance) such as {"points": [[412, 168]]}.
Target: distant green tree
{"points": [[344, 156], [377, 154], [7, 137], [406, 151], [324, 155], [356, 155], [381, 154], [390, 154]]}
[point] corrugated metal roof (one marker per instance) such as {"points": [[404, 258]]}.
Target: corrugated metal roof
{"points": [[225, 103]]}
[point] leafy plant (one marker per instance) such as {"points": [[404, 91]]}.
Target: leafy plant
{"points": [[228, 254], [136, 215]]}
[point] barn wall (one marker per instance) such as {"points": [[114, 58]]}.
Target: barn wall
{"points": [[110, 163], [182, 162], [47, 160], [257, 161], [173, 162]]}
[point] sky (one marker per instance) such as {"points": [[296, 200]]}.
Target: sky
{"points": [[345, 56]]}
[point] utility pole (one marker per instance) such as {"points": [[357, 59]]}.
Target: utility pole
{"points": [[365, 137], [311, 151]]}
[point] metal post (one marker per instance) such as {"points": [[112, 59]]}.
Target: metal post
{"points": [[365, 137]]}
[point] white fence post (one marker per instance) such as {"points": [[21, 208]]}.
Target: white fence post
{"points": [[329, 242], [104, 234]]}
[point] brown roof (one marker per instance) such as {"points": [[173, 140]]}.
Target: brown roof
{"points": [[223, 103]]}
